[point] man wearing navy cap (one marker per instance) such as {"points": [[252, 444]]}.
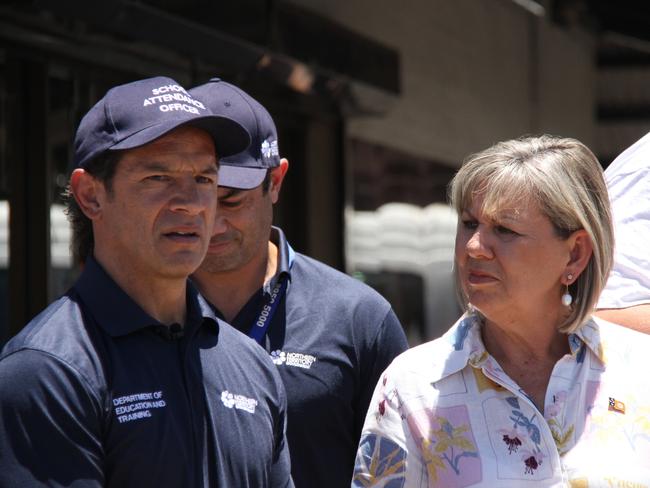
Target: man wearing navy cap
{"points": [[329, 335], [129, 380]]}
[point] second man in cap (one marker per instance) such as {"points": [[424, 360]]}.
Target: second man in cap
{"points": [[330, 335]]}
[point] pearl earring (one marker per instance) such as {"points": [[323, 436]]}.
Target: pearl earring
{"points": [[567, 299]]}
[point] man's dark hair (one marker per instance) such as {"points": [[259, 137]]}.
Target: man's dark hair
{"points": [[102, 168]]}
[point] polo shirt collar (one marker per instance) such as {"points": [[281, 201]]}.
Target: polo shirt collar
{"points": [[116, 312], [285, 258]]}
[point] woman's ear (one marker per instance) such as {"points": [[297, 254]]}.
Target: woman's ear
{"points": [[86, 191], [580, 251]]}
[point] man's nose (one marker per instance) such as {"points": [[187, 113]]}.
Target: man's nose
{"points": [[189, 197], [220, 224]]}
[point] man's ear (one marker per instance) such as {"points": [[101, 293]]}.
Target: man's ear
{"points": [[88, 192], [277, 177]]}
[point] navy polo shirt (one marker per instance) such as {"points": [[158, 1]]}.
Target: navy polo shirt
{"points": [[94, 392], [331, 338]]}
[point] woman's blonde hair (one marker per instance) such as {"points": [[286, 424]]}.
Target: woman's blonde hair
{"points": [[563, 177]]}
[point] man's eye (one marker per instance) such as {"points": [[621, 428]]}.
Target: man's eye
{"points": [[229, 203], [205, 180], [157, 177]]}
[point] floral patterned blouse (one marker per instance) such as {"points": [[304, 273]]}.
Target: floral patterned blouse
{"points": [[444, 414]]}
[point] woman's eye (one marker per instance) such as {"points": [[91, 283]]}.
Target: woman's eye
{"points": [[504, 230], [469, 224]]}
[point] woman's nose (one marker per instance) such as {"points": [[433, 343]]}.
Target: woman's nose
{"points": [[478, 245]]}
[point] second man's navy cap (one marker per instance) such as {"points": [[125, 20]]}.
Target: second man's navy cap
{"points": [[136, 113], [247, 169]]}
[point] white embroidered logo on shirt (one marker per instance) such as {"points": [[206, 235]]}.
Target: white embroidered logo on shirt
{"points": [[295, 359], [240, 402]]}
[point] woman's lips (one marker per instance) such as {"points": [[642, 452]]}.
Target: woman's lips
{"points": [[480, 278]]}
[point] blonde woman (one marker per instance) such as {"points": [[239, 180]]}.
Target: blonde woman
{"points": [[526, 389]]}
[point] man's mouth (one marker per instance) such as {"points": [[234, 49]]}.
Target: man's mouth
{"points": [[182, 236], [218, 243]]}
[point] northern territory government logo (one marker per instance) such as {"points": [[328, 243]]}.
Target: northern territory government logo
{"points": [[295, 359], [240, 402]]}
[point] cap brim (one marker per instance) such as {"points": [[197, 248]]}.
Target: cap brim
{"points": [[241, 177], [229, 136]]}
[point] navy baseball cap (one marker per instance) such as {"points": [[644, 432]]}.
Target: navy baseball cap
{"points": [[134, 114], [247, 169]]}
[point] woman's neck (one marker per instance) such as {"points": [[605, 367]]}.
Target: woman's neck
{"points": [[524, 341], [527, 354]]}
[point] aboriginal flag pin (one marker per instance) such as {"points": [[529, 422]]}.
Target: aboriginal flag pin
{"points": [[616, 405]]}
